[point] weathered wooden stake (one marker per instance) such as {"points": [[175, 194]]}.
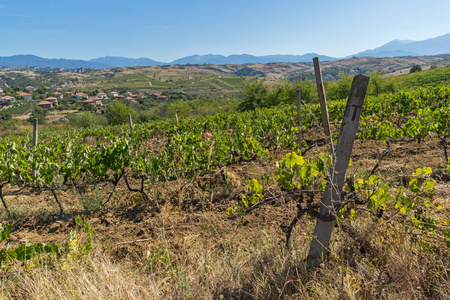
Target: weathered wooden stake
{"points": [[299, 119], [332, 198], [130, 122], [323, 102], [3, 200], [35, 140]]}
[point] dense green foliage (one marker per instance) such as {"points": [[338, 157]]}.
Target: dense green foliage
{"points": [[235, 137], [118, 113], [426, 78], [258, 94], [87, 119], [415, 68]]}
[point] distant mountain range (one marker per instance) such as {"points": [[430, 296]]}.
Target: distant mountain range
{"points": [[247, 59], [116, 61], [433, 46], [36, 61]]}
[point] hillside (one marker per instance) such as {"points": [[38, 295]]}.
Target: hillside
{"points": [[210, 79]]}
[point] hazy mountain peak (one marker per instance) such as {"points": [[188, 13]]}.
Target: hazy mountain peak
{"points": [[432, 46], [118, 61]]}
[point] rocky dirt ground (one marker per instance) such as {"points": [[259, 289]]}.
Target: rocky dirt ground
{"points": [[180, 214]]}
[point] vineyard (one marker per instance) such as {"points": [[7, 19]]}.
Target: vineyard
{"points": [[248, 172]]}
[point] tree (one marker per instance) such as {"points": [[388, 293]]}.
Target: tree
{"points": [[379, 85], [288, 94], [179, 108], [42, 90], [7, 90], [339, 89], [118, 113], [415, 68], [5, 115], [86, 119], [255, 93], [40, 114]]}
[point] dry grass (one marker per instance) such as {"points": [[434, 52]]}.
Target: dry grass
{"points": [[370, 260]]}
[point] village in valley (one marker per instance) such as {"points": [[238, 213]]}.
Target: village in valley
{"points": [[30, 94], [55, 104]]}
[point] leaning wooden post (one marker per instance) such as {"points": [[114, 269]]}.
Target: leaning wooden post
{"points": [[299, 119], [35, 140], [332, 198], [130, 122], [323, 102]]}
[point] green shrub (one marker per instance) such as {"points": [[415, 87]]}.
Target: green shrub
{"points": [[339, 89], [415, 68], [118, 113], [87, 119]]}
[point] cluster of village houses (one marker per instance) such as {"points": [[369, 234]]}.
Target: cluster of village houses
{"points": [[83, 99]]}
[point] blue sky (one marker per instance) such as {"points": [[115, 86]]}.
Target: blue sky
{"points": [[165, 30]]}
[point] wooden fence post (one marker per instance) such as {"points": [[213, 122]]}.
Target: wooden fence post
{"points": [[35, 140], [299, 119], [332, 198], [323, 102], [130, 122]]}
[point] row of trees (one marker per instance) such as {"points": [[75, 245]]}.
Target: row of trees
{"points": [[258, 94], [117, 112]]}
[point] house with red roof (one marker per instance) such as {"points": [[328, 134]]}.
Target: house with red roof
{"points": [[8, 100], [53, 100], [101, 95], [31, 89], [45, 104], [58, 95], [155, 95], [80, 95], [26, 96], [92, 100]]}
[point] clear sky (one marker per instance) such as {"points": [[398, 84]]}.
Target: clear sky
{"points": [[165, 30]]}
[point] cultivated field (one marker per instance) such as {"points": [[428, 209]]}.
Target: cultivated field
{"points": [[197, 208]]}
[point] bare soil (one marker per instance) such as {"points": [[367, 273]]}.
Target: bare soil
{"points": [[180, 213]]}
